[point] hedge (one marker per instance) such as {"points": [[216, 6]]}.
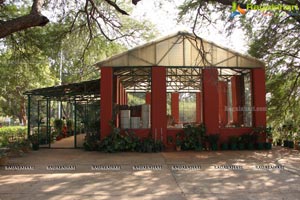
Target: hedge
{"points": [[11, 133]]}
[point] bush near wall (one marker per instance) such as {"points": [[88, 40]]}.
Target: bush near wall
{"points": [[12, 133]]}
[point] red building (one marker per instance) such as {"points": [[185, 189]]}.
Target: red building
{"points": [[182, 79], [158, 88]]}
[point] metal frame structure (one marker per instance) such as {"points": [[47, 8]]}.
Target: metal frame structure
{"points": [[75, 93]]}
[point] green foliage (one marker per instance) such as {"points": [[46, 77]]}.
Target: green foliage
{"points": [[34, 138], [273, 39], [12, 133], [91, 143], [193, 136], [117, 142], [149, 145], [179, 139], [213, 138], [70, 124], [170, 139], [58, 125], [31, 59], [233, 139]]}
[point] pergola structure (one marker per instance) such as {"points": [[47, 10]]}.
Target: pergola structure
{"points": [[229, 87], [79, 95]]}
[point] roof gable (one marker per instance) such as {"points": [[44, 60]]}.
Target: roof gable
{"points": [[181, 49]]}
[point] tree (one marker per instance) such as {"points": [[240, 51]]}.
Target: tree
{"points": [[273, 37], [36, 18], [17, 76], [31, 58]]}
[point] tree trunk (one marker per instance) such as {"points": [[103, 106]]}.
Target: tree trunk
{"points": [[23, 112]]}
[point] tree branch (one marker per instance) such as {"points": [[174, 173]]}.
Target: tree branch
{"points": [[35, 18], [113, 4], [135, 1]]}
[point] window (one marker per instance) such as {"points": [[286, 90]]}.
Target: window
{"points": [[183, 96]]}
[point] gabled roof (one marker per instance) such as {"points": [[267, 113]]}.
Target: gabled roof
{"points": [[181, 49]]}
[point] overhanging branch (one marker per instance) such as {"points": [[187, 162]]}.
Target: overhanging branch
{"points": [[35, 18]]}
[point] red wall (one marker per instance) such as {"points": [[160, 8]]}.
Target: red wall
{"points": [[148, 98], [259, 97], [106, 102], [227, 132], [210, 100], [158, 99]]}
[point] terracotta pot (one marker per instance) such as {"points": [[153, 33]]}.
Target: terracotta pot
{"points": [[269, 140]]}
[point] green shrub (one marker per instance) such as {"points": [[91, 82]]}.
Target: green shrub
{"points": [[193, 136], [58, 125], [12, 133]]}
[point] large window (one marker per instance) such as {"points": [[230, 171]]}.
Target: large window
{"points": [[132, 108], [183, 96], [235, 98]]}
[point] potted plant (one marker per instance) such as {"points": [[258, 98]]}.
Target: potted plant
{"points": [[269, 139], [149, 145], [252, 141], [296, 140], [3, 158], [192, 137], [233, 140], [170, 139], [58, 125], [25, 145], [260, 133], [158, 146], [178, 142], [70, 127], [213, 141], [224, 146], [170, 143], [242, 140], [269, 135], [14, 149], [34, 139]]}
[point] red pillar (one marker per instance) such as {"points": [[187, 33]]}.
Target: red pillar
{"points": [[175, 106], [259, 97], [198, 107], [125, 97], [121, 94], [148, 98], [237, 87], [210, 100], [116, 94], [222, 86], [106, 100], [159, 105]]}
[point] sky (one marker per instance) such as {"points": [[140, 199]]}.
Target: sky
{"points": [[165, 20], [163, 14]]}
